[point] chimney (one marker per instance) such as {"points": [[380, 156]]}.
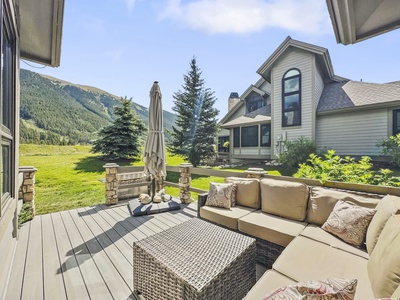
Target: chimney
{"points": [[233, 100]]}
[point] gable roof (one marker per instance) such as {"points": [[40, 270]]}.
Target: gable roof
{"points": [[321, 53], [41, 23], [252, 88], [261, 115], [355, 94]]}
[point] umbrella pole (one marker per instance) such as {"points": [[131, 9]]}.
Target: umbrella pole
{"points": [[153, 188]]}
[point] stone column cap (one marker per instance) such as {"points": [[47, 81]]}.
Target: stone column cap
{"points": [[27, 169], [185, 165], [259, 171], [110, 165]]}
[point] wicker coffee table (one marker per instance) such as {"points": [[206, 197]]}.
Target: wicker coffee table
{"points": [[194, 260]]}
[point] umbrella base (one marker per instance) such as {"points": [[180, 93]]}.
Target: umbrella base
{"points": [[138, 209]]}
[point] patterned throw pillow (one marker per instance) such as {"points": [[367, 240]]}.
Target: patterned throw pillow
{"points": [[349, 222], [220, 194], [329, 289], [233, 195]]}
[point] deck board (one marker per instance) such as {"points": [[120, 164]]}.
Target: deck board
{"points": [[83, 253]]}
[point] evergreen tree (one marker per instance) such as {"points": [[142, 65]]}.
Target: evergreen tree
{"points": [[193, 137], [120, 140]]}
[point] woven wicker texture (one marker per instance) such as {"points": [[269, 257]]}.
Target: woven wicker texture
{"points": [[194, 260]]}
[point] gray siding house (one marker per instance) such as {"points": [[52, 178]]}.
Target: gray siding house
{"points": [[298, 94], [30, 30]]}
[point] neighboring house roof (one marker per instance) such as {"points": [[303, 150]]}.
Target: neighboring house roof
{"points": [[355, 94], [261, 115], [321, 53], [357, 20], [41, 23]]}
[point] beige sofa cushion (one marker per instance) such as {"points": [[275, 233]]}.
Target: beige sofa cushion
{"points": [[323, 200], [225, 217], [384, 262], [386, 207], [272, 228], [318, 234], [306, 259], [284, 198], [248, 191], [268, 282]]}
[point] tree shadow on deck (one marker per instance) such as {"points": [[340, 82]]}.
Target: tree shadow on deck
{"points": [[98, 218]]}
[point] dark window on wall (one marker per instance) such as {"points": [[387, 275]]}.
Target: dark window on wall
{"points": [[265, 135], [396, 121], [254, 102], [221, 141], [249, 136], [236, 137], [7, 98], [291, 98]]}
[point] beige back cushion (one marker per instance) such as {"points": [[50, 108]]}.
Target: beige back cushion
{"points": [[386, 207], [396, 293], [384, 262], [284, 198], [323, 200], [248, 191]]}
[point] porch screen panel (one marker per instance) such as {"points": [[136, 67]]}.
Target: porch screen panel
{"points": [[249, 136], [236, 137], [396, 121]]}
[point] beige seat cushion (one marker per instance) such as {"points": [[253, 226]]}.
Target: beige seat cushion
{"points": [[272, 228], [268, 282], [284, 198], [306, 259], [248, 191], [318, 234], [226, 217], [386, 207], [384, 262], [323, 200]]}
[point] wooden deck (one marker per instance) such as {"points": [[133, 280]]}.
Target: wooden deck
{"points": [[83, 253]]}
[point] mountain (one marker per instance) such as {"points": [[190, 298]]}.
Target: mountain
{"points": [[54, 111]]}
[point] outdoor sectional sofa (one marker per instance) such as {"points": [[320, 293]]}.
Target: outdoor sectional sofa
{"points": [[286, 217]]}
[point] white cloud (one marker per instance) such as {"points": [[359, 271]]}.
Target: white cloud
{"points": [[131, 4], [243, 17]]}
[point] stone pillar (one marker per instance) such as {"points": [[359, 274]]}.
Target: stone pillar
{"points": [[184, 182], [27, 189], [255, 173], [111, 183]]}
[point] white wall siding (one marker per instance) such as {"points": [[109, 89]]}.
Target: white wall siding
{"points": [[266, 87], [265, 151], [319, 86], [354, 133], [240, 112], [250, 151], [304, 61]]}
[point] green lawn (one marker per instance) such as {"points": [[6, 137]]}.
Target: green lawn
{"points": [[68, 176]]}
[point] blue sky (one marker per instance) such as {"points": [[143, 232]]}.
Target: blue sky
{"points": [[122, 46]]}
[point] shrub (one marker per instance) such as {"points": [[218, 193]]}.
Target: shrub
{"points": [[335, 168], [391, 146], [297, 151]]}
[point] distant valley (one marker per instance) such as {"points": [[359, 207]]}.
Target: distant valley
{"points": [[57, 112]]}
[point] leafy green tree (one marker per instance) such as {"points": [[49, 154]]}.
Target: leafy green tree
{"points": [[193, 137], [391, 147], [298, 151], [121, 139]]}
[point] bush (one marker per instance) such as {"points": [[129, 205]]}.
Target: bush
{"points": [[335, 168], [391, 146], [297, 151]]}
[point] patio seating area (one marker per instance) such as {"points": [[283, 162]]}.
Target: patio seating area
{"points": [[84, 253]]}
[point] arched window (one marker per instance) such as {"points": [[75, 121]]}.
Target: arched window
{"points": [[291, 98]]}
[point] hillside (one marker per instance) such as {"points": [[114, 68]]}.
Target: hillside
{"points": [[54, 111]]}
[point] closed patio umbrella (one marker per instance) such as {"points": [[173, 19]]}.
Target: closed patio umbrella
{"points": [[154, 150]]}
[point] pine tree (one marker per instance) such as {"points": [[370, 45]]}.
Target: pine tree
{"points": [[120, 140], [193, 137]]}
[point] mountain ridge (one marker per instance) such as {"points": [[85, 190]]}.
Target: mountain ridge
{"points": [[55, 111]]}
